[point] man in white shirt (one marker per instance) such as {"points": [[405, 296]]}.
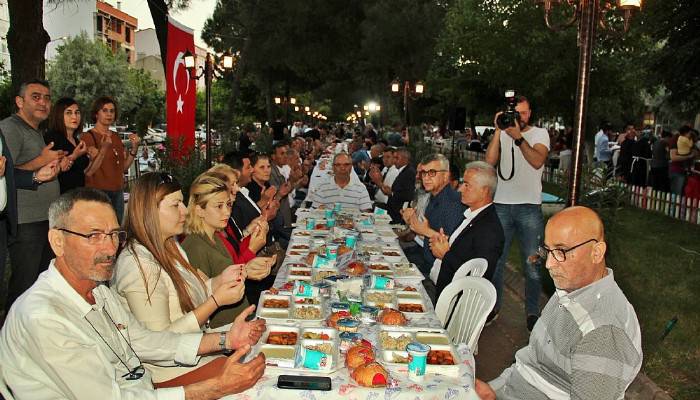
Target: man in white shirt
{"points": [[68, 336], [339, 188], [602, 153], [387, 177], [519, 152]]}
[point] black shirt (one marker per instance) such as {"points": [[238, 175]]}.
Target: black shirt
{"points": [[277, 130], [75, 176]]}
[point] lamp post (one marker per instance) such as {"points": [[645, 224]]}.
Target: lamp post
{"points": [[418, 89], [209, 71], [590, 14], [286, 101]]}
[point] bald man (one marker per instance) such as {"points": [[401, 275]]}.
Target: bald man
{"points": [[587, 344]]}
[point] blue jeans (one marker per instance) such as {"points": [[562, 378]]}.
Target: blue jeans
{"points": [[117, 200], [527, 222], [677, 182]]}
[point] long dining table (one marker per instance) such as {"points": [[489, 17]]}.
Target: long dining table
{"points": [[457, 384]]}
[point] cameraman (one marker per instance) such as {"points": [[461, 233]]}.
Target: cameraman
{"points": [[519, 152]]}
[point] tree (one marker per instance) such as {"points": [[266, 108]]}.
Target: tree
{"points": [[674, 29], [85, 69], [26, 40]]}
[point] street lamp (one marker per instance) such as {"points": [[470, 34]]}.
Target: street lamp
{"points": [[590, 14], [209, 71], [418, 89], [286, 101]]}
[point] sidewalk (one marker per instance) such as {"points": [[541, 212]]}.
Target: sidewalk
{"points": [[500, 340]]}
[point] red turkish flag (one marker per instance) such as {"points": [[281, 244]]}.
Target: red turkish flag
{"points": [[181, 91]]}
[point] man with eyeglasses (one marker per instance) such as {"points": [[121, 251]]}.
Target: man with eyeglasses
{"points": [[29, 250], [444, 210], [519, 153], [587, 343], [341, 188], [68, 336]]}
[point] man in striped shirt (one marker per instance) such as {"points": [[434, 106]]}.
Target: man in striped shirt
{"points": [[587, 343], [340, 188]]}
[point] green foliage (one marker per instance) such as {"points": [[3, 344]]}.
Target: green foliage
{"points": [[85, 69], [7, 103], [672, 26], [489, 46]]}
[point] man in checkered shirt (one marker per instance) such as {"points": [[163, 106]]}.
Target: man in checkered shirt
{"points": [[587, 343]]}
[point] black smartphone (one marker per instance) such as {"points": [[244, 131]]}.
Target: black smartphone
{"points": [[304, 382]]}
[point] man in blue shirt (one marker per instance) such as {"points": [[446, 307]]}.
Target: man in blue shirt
{"points": [[603, 154], [444, 212]]}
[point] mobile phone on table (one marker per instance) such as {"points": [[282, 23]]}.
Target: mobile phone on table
{"points": [[304, 382]]}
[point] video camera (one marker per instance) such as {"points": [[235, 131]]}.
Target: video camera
{"points": [[509, 117]]}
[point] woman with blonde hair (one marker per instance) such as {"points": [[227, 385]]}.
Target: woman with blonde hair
{"points": [[242, 243], [208, 211], [153, 275]]}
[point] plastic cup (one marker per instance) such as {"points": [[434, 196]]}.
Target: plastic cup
{"points": [[331, 251], [350, 241], [329, 214], [330, 222], [338, 207], [417, 361], [310, 223]]}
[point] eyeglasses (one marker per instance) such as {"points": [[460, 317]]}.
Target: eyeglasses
{"points": [[95, 238], [135, 374], [560, 254], [431, 172]]}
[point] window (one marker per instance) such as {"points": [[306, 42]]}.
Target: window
{"points": [[119, 27], [99, 23], [127, 34]]}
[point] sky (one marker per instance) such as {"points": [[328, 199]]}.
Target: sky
{"points": [[193, 17]]}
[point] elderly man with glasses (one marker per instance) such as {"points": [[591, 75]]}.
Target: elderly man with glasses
{"points": [[444, 210], [587, 343], [341, 188], [68, 336]]}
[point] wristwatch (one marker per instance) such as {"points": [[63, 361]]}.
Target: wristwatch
{"points": [[35, 179], [222, 341], [518, 142]]}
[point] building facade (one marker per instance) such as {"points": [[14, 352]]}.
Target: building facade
{"points": [[98, 19]]}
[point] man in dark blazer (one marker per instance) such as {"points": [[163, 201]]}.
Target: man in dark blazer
{"points": [[12, 178], [404, 186], [479, 236]]}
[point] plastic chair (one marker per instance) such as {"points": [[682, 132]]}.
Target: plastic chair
{"points": [[463, 307], [474, 267], [4, 389]]}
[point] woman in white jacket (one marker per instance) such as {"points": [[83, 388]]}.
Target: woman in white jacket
{"points": [[155, 279]]}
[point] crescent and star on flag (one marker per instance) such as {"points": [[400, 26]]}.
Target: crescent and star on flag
{"points": [[179, 60]]}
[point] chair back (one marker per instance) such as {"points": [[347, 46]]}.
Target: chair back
{"points": [[474, 267], [4, 389], [463, 307]]}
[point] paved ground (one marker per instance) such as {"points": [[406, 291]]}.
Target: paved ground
{"points": [[500, 340]]}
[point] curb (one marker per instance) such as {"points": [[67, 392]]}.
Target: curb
{"points": [[641, 388]]}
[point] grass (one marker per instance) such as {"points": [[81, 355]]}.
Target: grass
{"points": [[656, 260]]}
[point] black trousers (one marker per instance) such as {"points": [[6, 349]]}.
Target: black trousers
{"points": [[30, 254], [3, 253]]}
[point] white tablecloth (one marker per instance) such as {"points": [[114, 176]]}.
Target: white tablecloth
{"points": [[344, 387]]}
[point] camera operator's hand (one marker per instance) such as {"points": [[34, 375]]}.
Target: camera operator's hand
{"points": [[514, 131], [495, 121]]}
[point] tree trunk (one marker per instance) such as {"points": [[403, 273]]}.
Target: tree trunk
{"points": [[26, 41], [268, 96], [159, 13]]}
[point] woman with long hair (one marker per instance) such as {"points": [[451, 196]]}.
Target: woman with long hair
{"points": [[65, 129], [208, 211], [243, 243], [153, 275], [112, 158]]}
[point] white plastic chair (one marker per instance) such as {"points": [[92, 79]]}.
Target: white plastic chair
{"points": [[4, 389], [466, 313], [474, 267]]}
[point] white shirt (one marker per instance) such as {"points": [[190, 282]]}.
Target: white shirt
{"points": [[526, 185], [389, 179], [354, 195], [49, 349], [469, 215], [244, 191]]}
